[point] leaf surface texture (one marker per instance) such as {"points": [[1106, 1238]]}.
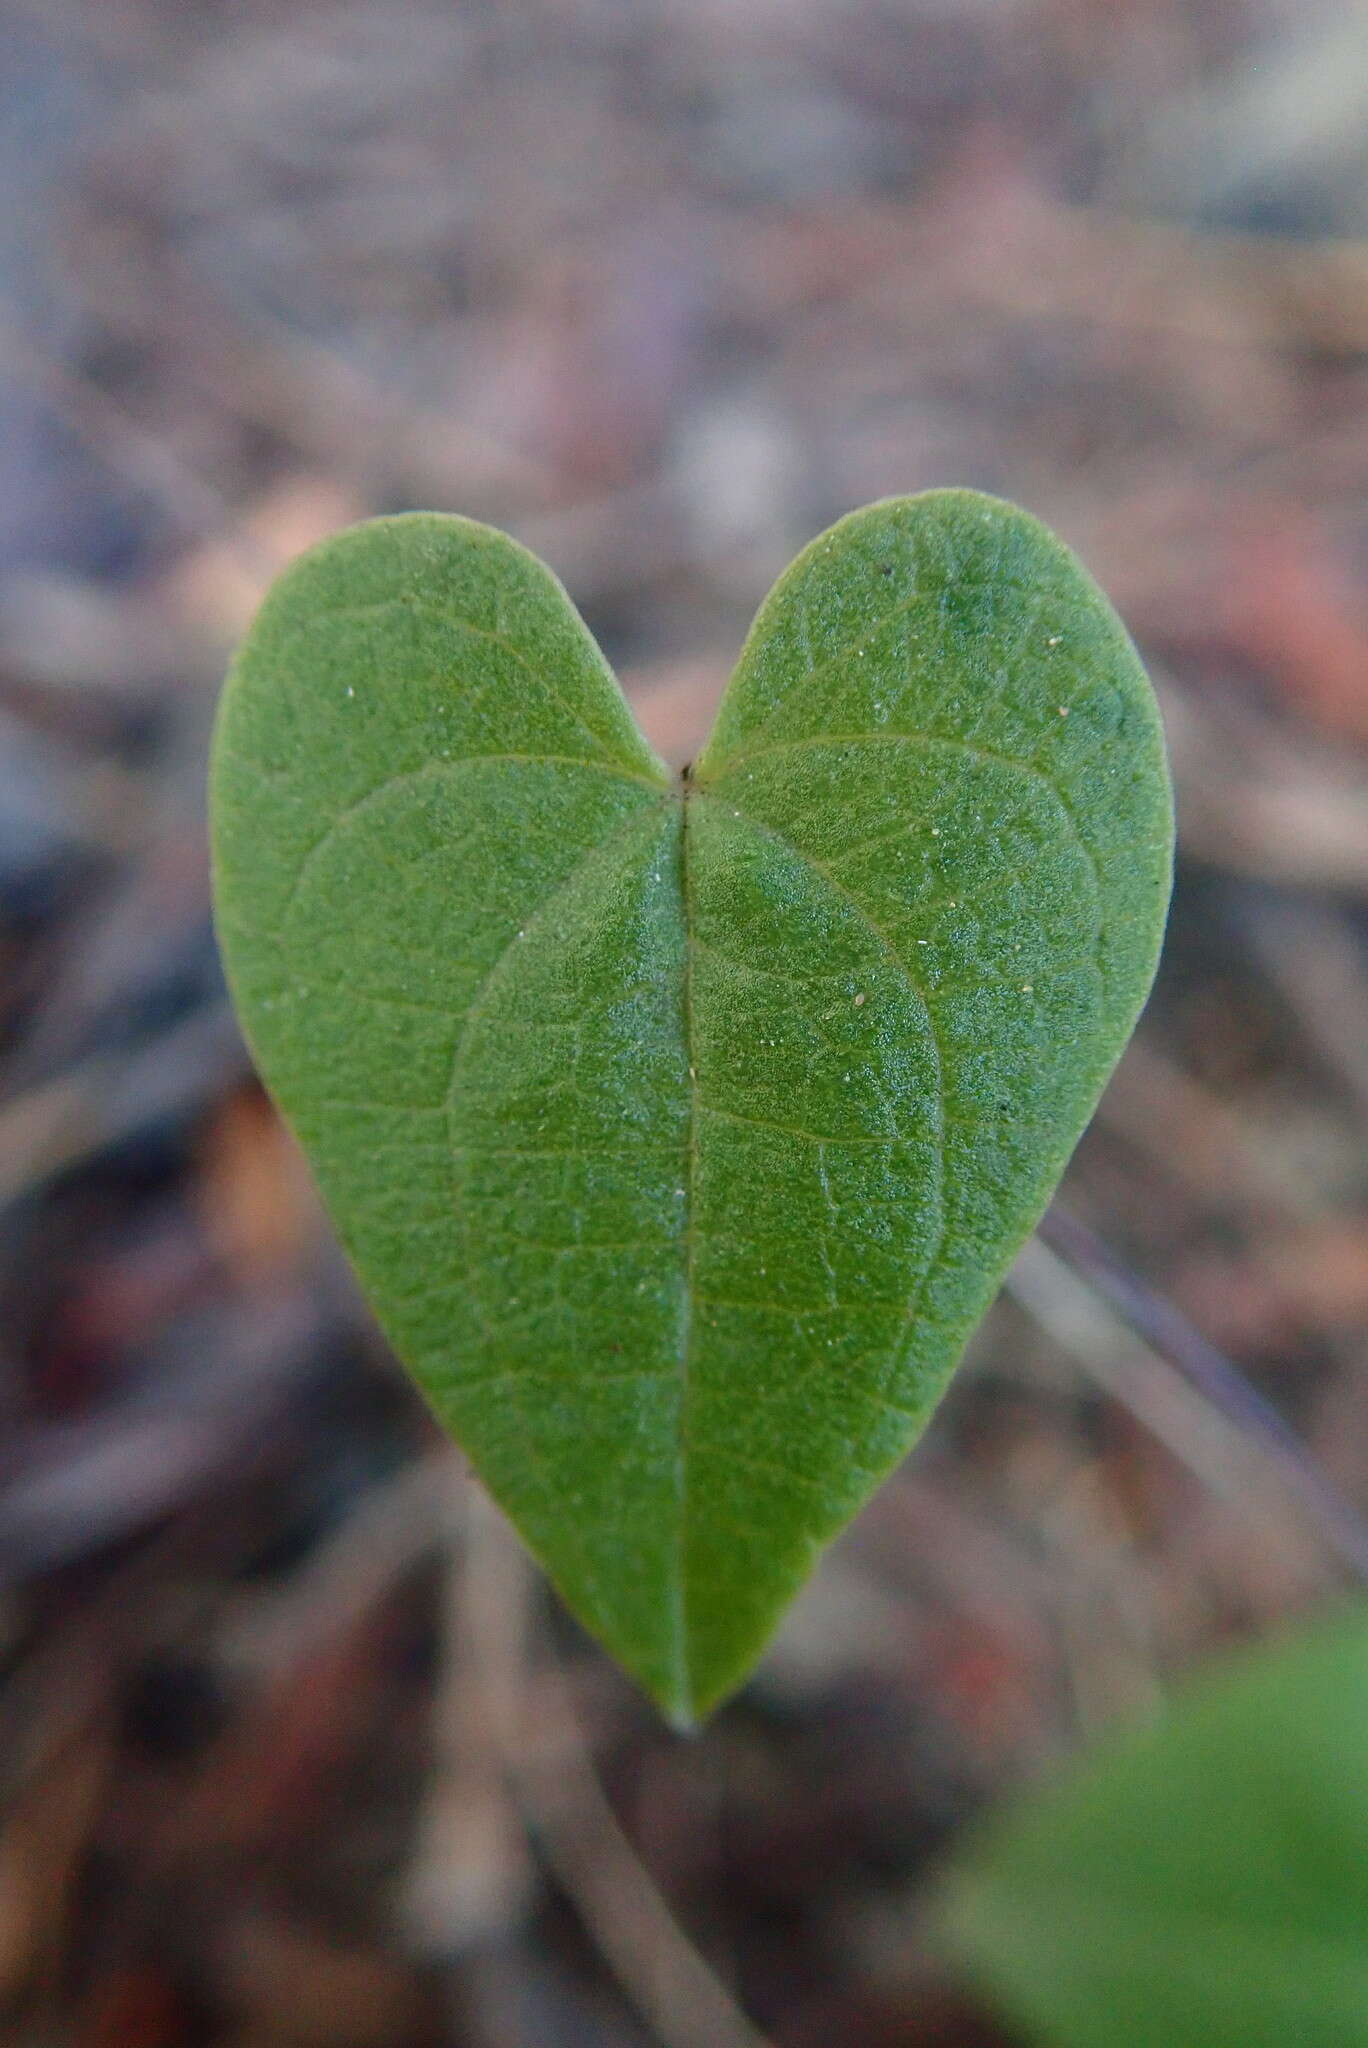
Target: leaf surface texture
{"points": [[681, 1133]]}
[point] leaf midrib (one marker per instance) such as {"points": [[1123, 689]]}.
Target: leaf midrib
{"points": [[685, 794], [688, 794], [684, 1687]]}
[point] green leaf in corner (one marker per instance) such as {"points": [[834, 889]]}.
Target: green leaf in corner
{"points": [[1205, 1883], [681, 1133]]}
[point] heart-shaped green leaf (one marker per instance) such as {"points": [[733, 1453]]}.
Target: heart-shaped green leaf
{"points": [[681, 1134]]}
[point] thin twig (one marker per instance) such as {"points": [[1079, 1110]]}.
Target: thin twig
{"points": [[547, 1758], [145, 459], [1225, 1389]]}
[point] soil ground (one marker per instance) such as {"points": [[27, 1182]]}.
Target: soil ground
{"points": [[295, 1752]]}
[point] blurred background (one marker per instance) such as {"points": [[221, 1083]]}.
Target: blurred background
{"points": [[295, 1750]]}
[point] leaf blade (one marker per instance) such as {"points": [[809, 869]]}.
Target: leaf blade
{"points": [[1200, 1880], [358, 1022], [833, 732], [670, 1090]]}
